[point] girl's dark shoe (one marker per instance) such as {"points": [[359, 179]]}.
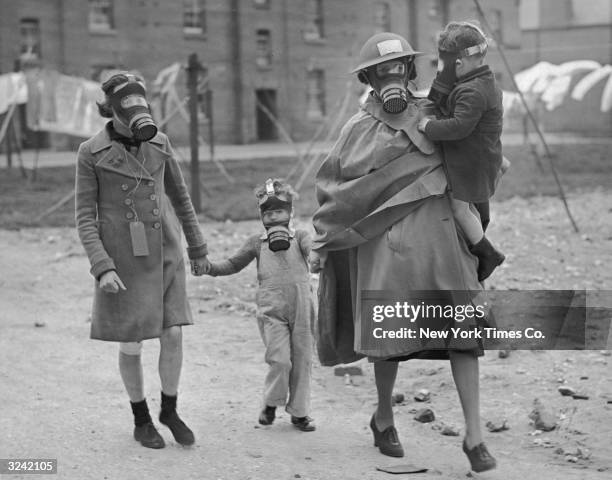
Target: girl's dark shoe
{"points": [[148, 436], [387, 441], [181, 432], [267, 415], [480, 458], [489, 258], [303, 423]]}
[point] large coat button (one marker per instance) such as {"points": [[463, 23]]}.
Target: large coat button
{"points": [[157, 225], [152, 197], [156, 211], [151, 183], [128, 201], [129, 215], [124, 187]]}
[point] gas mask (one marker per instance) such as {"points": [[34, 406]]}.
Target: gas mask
{"points": [[445, 78], [389, 80], [278, 231], [447, 72], [130, 105]]}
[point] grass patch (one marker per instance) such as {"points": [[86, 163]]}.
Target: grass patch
{"points": [[580, 167]]}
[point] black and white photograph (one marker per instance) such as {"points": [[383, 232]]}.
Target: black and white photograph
{"points": [[306, 239]]}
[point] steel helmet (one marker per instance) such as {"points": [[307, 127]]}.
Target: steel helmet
{"points": [[382, 47]]}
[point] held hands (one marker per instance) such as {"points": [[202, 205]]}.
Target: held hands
{"points": [[200, 266], [110, 282], [316, 260]]}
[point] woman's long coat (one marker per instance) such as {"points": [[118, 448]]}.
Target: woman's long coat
{"points": [[385, 218], [113, 190]]}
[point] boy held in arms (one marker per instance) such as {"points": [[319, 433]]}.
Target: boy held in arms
{"points": [[285, 307], [467, 94]]}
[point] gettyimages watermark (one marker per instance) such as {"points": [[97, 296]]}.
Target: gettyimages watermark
{"points": [[494, 320]]}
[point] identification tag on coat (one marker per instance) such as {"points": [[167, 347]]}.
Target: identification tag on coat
{"points": [[139, 239]]}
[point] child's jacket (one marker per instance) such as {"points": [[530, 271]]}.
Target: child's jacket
{"points": [[471, 137]]}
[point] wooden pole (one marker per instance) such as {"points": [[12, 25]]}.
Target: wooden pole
{"points": [[211, 129], [193, 69]]}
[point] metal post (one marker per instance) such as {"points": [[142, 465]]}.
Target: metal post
{"points": [[193, 69], [211, 129]]}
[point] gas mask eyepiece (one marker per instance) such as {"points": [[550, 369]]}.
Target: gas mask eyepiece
{"points": [[130, 104]]}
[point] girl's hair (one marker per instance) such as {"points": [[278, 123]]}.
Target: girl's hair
{"points": [[458, 36], [280, 188], [104, 108]]}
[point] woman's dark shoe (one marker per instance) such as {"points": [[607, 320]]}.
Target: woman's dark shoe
{"points": [[387, 441], [148, 436], [303, 423], [181, 432], [267, 415], [489, 258], [480, 458]]}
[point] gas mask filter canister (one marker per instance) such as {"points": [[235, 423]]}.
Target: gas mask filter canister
{"points": [[389, 80], [278, 233], [130, 104]]}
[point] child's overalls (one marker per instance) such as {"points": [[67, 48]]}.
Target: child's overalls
{"points": [[285, 314]]}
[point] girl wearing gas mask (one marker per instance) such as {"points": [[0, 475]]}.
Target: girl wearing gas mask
{"points": [[131, 202], [470, 129], [285, 308]]}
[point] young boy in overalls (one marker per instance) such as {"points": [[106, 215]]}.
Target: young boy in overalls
{"points": [[285, 307]]}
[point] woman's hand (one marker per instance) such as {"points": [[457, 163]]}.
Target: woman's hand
{"points": [[200, 266], [316, 260], [110, 282], [423, 123]]}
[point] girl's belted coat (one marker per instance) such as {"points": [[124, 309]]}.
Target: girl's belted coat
{"points": [[114, 189]]}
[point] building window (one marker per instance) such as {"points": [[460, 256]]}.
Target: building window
{"points": [[101, 15], [314, 29], [382, 17], [29, 29], [263, 57], [262, 3], [194, 17], [315, 92]]}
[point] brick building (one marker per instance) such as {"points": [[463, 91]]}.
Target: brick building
{"points": [[291, 56], [559, 31]]}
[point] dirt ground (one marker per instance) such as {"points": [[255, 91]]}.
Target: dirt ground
{"points": [[61, 395]]}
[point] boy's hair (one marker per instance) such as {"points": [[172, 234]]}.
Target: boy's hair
{"points": [[281, 189], [458, 36], [104, 108]]}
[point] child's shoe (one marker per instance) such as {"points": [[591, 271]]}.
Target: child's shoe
{"points": [[489, 258], [267, 415], [305, 424]]}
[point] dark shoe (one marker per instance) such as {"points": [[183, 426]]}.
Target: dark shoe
{"points": [[148, 436], [303, 423], [182, 433], [489, 258], [387, 441], [480, 458], [267, 415]]}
